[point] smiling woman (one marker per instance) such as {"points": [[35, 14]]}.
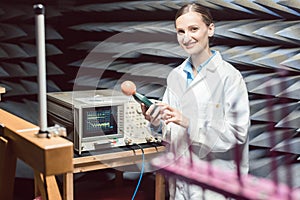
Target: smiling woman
{"points": [[204, 113]]}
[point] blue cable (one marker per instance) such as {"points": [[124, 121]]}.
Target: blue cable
{"points": [[141, 175]]}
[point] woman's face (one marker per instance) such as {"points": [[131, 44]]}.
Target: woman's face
{"points": [[193, 34]]}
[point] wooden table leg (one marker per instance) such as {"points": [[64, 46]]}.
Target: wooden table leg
{"points": [[159, 187], [46, 186], [68, 186], [8, 162]]}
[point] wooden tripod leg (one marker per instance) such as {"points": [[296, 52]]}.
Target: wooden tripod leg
{"points": [[46, 186], [8, 161]]}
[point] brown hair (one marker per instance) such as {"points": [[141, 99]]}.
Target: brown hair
{"points": [[195, 7]]}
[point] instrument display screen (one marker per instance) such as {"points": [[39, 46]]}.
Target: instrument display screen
{"points": [[100, 121]]}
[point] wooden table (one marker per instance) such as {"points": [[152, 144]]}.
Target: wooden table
{"points": [[112, 159], [54, 156]]}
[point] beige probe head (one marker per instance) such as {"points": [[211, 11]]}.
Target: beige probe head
{"points": [[128, 88]]}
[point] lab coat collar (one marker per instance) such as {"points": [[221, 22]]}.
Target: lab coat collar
{"points": [[214, 62], [211, 67]]}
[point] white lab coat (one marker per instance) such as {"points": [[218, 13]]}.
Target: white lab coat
{"points": [[216, 102]]}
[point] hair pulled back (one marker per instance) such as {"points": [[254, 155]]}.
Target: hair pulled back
{"points": [[195, 7]]}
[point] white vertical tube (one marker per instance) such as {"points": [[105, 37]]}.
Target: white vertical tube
{"points": [[41, 63]]}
